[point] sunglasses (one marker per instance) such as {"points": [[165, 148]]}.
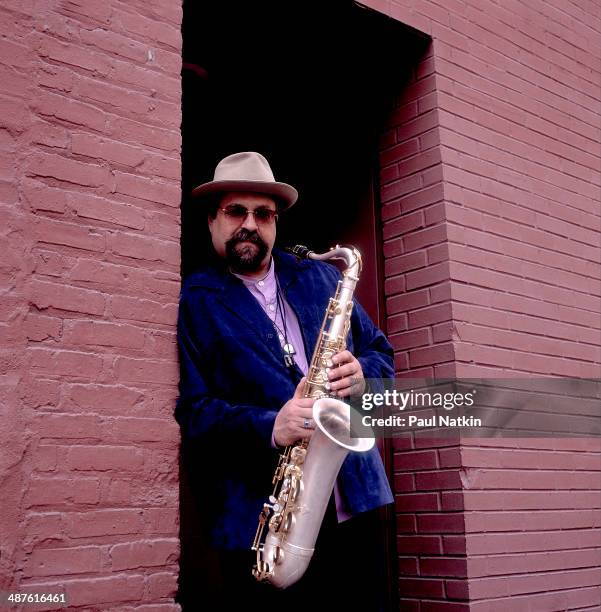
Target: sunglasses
{"points": [[238, 213]]}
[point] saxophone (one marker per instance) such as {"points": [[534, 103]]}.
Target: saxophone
{"points": [[306, 472]]}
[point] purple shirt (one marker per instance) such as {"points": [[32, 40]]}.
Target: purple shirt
{"points": [[264, 290]]}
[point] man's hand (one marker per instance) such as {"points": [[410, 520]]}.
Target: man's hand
{"points": [[346, 375], [290, 421]]}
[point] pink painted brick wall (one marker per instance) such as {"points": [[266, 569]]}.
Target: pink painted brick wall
{"points": [[430, 523], [490, 194], [89, 198], [533, 523]]}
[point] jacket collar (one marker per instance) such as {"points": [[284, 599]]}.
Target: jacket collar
{"points": [[233, 295]]}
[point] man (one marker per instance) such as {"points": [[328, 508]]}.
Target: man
{"points": [[248, 325]]}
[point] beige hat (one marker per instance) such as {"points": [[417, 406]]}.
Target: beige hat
{"points": [[248, 171]]}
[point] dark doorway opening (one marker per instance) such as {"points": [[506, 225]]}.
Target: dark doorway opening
{"points": [[310, 86], [307, 85]]}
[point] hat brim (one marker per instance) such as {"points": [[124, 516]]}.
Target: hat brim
{"points": [[286, 194]]}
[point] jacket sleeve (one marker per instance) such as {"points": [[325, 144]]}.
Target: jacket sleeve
{"points": [[199, 413]]}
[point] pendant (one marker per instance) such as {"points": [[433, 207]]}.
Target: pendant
{"points": [[289, 349], [288, 361]]}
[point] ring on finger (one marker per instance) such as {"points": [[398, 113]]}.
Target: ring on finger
{"points": [[307, 423]]}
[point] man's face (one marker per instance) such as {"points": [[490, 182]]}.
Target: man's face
{"points": [[245, 242]]}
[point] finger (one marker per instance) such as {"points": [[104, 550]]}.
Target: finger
{"points": [[307, 423], [301, 404], [293, 435], [299, 415], [349, 369], [300, 388], [342, 357], [344, 392], [306, 434], [350, 382], [347, 389], [342, 383], [298, 432]]}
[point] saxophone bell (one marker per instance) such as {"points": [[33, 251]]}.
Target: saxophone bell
{"points": [[333, 417]]}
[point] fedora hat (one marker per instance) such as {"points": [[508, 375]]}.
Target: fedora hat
{"points": [[248, 171]]}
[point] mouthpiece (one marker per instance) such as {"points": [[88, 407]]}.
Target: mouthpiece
{"points": [[301, 251]]}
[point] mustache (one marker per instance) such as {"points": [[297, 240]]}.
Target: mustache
{"points": [[244, 235], [244, 260]]}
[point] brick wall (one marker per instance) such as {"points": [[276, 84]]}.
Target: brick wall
{"points": [[533, 523], [490, 207], [89, 197], [430, 524]]}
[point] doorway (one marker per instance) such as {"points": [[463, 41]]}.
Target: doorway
{"points": [[310, 86]]}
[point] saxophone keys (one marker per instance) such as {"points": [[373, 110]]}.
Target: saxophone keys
{"points": [[289, 522], [279, 474], [261, 570], [298, 455], [278, 555], [296, 488], [275, 522]]}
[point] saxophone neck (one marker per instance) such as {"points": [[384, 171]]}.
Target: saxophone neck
{"points": [[349, 254]]}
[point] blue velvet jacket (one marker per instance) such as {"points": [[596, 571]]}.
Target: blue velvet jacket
{"points": [[233, 382]]}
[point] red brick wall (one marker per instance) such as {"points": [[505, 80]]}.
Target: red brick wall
{"points": [[533, 523], [490, 202], [89, 197], [427, 482]]}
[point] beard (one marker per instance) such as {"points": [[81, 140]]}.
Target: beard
{"points": [[243, 258]]}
